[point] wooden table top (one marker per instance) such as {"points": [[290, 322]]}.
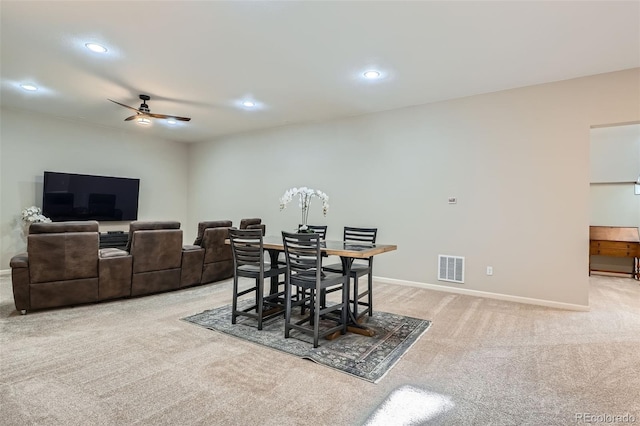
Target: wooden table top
{"points": [[614, 233], [338, 248]]}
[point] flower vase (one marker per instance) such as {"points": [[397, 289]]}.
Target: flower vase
{"points": [[304, 229], [305, 194]]}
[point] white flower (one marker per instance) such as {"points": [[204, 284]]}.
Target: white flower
{"points": [[33, 214], [305, 194]]}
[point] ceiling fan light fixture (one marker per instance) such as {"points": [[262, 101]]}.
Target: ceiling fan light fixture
{"points": [[143, 115], [171, 121], [94, 47]]}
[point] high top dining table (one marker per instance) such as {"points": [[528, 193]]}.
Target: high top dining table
{"points": [[348, 252]]}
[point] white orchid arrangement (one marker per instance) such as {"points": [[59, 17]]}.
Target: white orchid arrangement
{"points": [[305, 195], [33, 214]]}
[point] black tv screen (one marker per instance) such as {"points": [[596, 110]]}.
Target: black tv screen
{"points": [[69, 196]]}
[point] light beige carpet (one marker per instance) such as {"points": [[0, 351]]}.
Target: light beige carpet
{"points": [[482, 362]]}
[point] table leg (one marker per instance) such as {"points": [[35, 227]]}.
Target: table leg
{"points": [[353, 325], [273, 258]]}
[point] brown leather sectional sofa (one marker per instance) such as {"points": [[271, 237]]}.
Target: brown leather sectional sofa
{"points": [[218, 259], [253, 223], [64, 266]]}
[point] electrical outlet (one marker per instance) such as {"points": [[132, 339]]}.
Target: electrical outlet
{"points": [[489, 270], [453, 200]]}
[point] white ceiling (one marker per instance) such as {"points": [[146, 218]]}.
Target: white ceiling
{"points": [[301, 61]]}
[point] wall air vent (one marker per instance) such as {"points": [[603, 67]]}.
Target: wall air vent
{"points": [[451, 268]]}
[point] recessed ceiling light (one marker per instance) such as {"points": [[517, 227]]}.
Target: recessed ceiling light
{"points": [[144, 121], [371, 74], [94, 47], [29, 87], [248, 103], [170, 121]]}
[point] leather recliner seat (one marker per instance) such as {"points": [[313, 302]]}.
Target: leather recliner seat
{"points": [[63, 266]]}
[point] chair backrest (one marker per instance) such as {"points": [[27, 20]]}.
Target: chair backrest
{"points": [[60, 251], [319, 229], [303, 256], [362, 235], [247, 248]]}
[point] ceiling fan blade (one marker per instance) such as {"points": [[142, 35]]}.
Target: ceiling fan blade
{"points": [[126, 106], [132, 117], [164, 116]]}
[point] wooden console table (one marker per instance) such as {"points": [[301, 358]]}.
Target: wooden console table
{"points": [[617, 242]]}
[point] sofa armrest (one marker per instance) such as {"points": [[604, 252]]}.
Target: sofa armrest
{"points": [[192, 259], [114, 268], [20, 281], [19, 261], [107, 253]]}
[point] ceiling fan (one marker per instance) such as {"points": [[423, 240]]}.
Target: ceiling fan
{"points": [[143, 111]]}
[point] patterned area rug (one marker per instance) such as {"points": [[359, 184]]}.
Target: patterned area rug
{"points": [[368, 358]]}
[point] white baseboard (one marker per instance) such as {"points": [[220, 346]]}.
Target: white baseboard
{"points": [[477, 293], [5, 272]]}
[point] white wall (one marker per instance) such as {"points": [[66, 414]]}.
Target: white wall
{"points": [[32, 143], [614, 204], [615, 154], [517, 160]]}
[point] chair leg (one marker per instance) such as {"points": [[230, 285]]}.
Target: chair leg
{"points": [[256, 295], [316, 317], [234, 305], [287, 309], [370, 293], [355, 296], [312, 306], [345, 305], [259, 301], [301, 294]]}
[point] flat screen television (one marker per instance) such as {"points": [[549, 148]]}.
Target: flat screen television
{"points": [[69, 196]]}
